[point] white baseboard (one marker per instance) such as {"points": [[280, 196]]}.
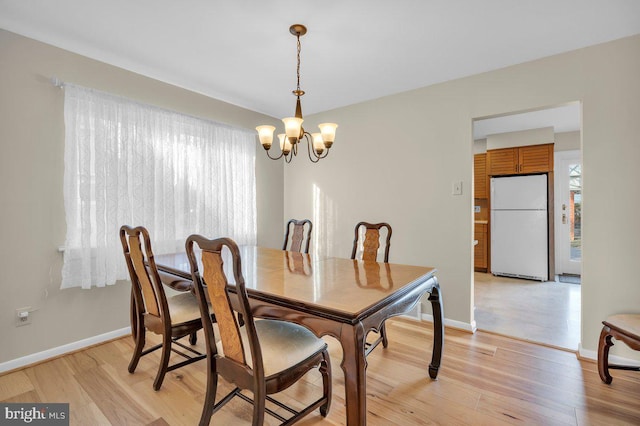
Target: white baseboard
{"points": [[588, 354], [613, 359], [61, 350], [470, 327]]}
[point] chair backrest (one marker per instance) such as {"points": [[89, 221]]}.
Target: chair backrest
{"points": [[147, 288], [222, 303], [370, 242], [298, 236]]}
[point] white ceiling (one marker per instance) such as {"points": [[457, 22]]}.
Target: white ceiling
{"points": [[240, 51]]}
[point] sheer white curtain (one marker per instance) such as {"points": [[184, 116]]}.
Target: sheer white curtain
{"points": [[136, 164]]}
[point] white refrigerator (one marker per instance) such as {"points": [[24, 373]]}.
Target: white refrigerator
{"points": [[519, 230]]}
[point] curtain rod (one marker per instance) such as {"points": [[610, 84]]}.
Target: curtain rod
{"points": [[57, 82]]}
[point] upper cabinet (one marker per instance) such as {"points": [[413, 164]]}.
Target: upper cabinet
{"points": [[480, 189], [520, 160]]}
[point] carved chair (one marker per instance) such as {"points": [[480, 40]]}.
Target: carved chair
{"points": [[172, 317], [366, 244], [264, 356], [298, 236], [622, 327]]}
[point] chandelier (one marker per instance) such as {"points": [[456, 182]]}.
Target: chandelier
{"points": [[318, 144]]}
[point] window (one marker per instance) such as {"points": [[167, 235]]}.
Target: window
{"points": [[136, 164]]}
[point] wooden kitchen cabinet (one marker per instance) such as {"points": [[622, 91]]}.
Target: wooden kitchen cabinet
{"points": [[480, 249], [520, 160], [480, 187]]}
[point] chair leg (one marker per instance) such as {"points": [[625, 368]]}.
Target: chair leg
{"points": [[210, 395], [140, 342], [259, 404], [164, 361], [383, 334], [604, 344], [134, 318], [325, 370], [193, 338]]}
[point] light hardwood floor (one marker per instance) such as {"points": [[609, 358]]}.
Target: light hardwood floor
{"points": [[485, 379], [542, 312]]}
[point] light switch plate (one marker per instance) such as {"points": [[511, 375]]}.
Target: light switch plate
{"points": [[456, 188]]}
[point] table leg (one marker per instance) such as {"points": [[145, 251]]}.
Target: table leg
{"points": [[354, 366], [438, 330]]}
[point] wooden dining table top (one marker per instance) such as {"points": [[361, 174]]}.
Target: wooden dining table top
{"points": [[338, 288]]}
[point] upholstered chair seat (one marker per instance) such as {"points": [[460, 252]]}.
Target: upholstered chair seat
{"points": [[184, 308], [620, 327], [283, 345], [629, 323]]}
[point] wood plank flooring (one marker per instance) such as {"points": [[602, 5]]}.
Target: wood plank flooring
{"points": [[485, 379]]}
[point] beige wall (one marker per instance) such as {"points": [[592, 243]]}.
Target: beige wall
{"points": [[395, 159], [480, 146], [563, 141], [521, 138], [32, 213], [567, 141]]}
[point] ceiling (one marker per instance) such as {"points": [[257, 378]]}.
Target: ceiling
{"points": [[241, 51]]}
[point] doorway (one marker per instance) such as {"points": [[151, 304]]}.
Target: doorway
{"points": [[549, 312], [568, 221]]}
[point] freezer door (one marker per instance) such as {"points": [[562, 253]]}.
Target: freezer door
{"points": [[519, 192], [519, 243]]}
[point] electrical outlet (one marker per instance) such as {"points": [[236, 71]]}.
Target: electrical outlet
{"points": [[23, 316]]}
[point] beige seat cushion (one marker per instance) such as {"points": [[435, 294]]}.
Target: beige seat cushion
{"points": [[183, 307], [627, 323], [284, 344]]}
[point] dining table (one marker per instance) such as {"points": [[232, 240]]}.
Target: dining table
{"points": [[331, 296]]}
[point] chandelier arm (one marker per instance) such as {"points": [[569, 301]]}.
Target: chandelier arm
{"points": [[313, 156], [275, 158], [324, 154], [313, 159], [325, 151], [289, 157]]}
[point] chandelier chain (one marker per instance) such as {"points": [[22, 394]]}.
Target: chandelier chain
{"points": [[298, 67]]}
